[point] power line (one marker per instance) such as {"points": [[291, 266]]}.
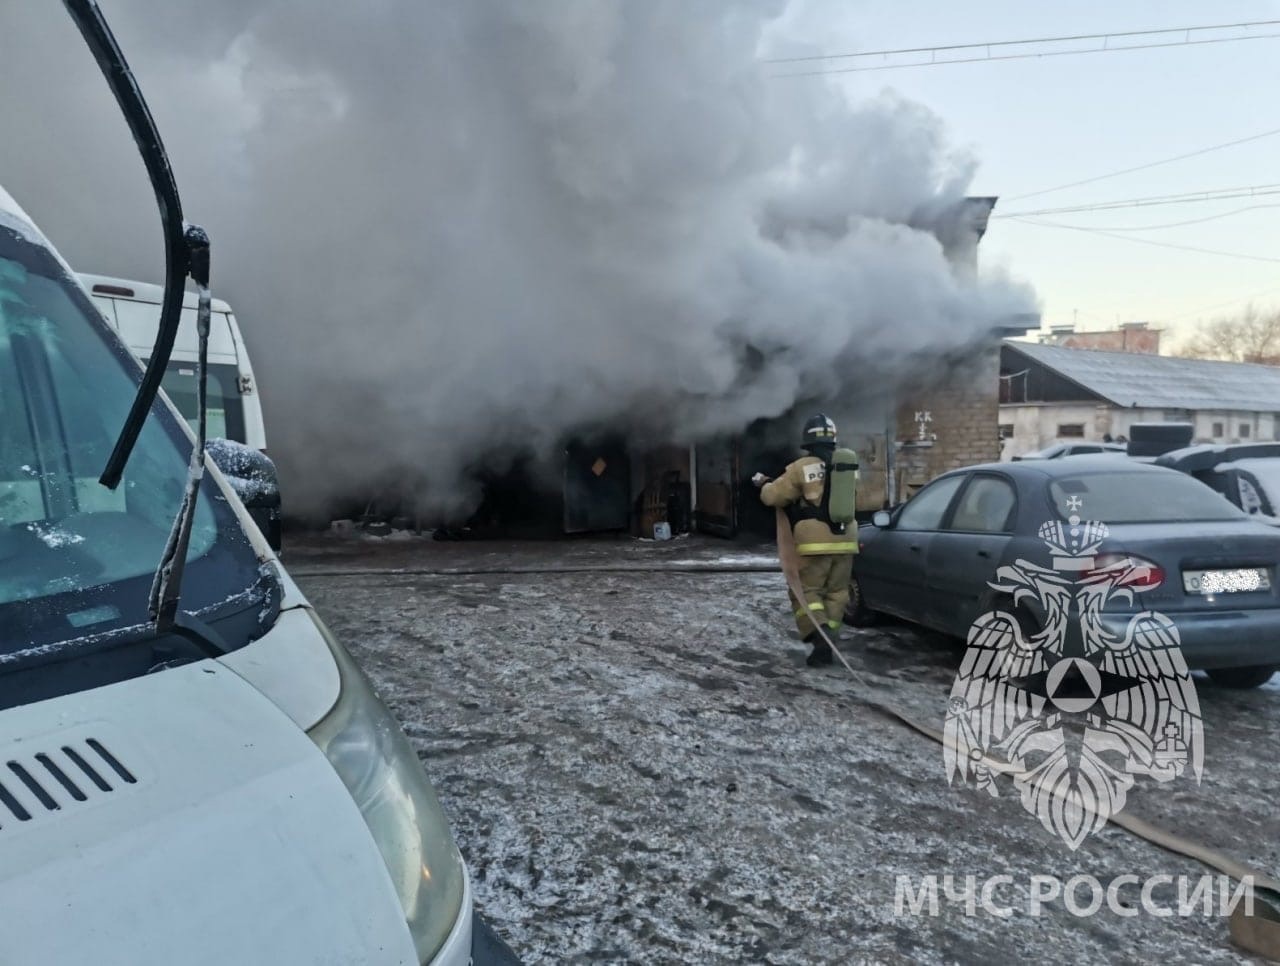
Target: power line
{"points": [[1034, 40], [1183, 224], [1220, 305], [1144, 167], [1190, 197], [991, 58], [1148, 241]]}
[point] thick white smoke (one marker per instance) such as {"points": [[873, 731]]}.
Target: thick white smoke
{"points": [[458, 229]]}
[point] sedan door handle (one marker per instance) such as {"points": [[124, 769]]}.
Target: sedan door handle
{"points": [[984, 553], [915, 547]]}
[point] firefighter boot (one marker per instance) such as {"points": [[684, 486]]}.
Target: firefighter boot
{"points": [[821, 655]]}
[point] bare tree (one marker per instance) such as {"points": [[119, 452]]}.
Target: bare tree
{"points": [[1252, 336]]}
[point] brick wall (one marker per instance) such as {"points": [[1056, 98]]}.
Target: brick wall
{"points": [[963, 421], [1116, 340]]}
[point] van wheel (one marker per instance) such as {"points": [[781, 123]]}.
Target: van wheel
{"points": [[1241, 677], [858, 614]]}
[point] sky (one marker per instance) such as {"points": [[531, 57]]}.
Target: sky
{"points": [[1036, 123]]}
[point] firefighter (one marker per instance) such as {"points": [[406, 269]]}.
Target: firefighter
{"points": [[817, 493]]}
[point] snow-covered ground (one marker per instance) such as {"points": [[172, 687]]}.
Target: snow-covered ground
{"points": [[639, 767]]}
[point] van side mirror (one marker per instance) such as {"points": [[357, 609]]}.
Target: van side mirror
{"points": [[253, 476], [881, 519]]}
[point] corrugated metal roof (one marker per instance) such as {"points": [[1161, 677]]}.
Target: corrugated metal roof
{"points": [[1138, 380]]}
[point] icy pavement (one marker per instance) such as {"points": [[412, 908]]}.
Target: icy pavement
{"points": [[639, 767]]}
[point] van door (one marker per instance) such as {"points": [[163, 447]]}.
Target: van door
{"points": [[255, 433]]}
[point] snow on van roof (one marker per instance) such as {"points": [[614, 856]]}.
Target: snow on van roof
{"points": [[10, 207], [15, 219], [144, 291]]}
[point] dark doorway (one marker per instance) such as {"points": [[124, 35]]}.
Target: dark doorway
{"points": [[597, 486], [760, 454], [717, 496], [520, 503]]}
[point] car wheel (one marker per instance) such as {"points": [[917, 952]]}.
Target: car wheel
{"points": [[858, 614], [1241, 677]]}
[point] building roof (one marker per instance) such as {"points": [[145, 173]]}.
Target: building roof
{"points": [[1143, 381]]}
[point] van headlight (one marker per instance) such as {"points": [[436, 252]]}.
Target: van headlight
{"points": [[375, 761]]}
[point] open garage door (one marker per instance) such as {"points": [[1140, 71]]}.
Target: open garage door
{"points": [[717, 489], [597, 487]]}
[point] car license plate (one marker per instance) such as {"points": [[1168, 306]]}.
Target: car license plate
{"points": [[1226, 581]]}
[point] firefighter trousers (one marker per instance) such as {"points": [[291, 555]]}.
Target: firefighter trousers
{"points": [[825, 581]]}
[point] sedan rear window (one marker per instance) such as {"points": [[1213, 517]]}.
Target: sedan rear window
{"points": [[1139, 498]]}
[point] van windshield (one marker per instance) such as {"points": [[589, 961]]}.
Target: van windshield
{"points": [[76, 559]]}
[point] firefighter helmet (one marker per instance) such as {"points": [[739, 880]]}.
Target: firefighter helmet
{"points": [[819, 431]]}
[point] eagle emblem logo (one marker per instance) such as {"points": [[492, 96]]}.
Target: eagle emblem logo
{"points": [[1069, 708]]}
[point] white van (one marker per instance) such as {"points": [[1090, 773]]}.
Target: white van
{"points": [[232, 405], [229, 792], [234, 408]]}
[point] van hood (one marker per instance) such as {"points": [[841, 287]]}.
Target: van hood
{"points": [[182, 818]]}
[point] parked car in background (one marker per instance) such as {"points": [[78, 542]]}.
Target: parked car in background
{"points": [[233, 407], [1247, 474], [1059, 450], [1205, 563]]}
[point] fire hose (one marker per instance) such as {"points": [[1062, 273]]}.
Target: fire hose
{"points": [[1258, 932]]}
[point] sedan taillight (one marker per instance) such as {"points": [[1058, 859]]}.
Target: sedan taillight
{"points": [[1129, 570]]}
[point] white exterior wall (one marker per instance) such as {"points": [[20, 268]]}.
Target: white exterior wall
{"points": [[1262, 426], [1122, 419], [1035, 425]]}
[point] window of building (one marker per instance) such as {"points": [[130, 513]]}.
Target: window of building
{"points": [[1218, 430], [1073, 430], [1244, 430], [1006, 430]]}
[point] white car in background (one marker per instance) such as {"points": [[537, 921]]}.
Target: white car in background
{"points": [[1247, 474], [234, 408], [1059, 450]]}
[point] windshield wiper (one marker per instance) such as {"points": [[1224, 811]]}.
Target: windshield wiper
{"points": [[186, 254], [93, 27], [167, 585]]}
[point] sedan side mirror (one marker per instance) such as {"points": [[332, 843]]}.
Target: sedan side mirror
{"points": [[252, 475], [881, 519]]}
